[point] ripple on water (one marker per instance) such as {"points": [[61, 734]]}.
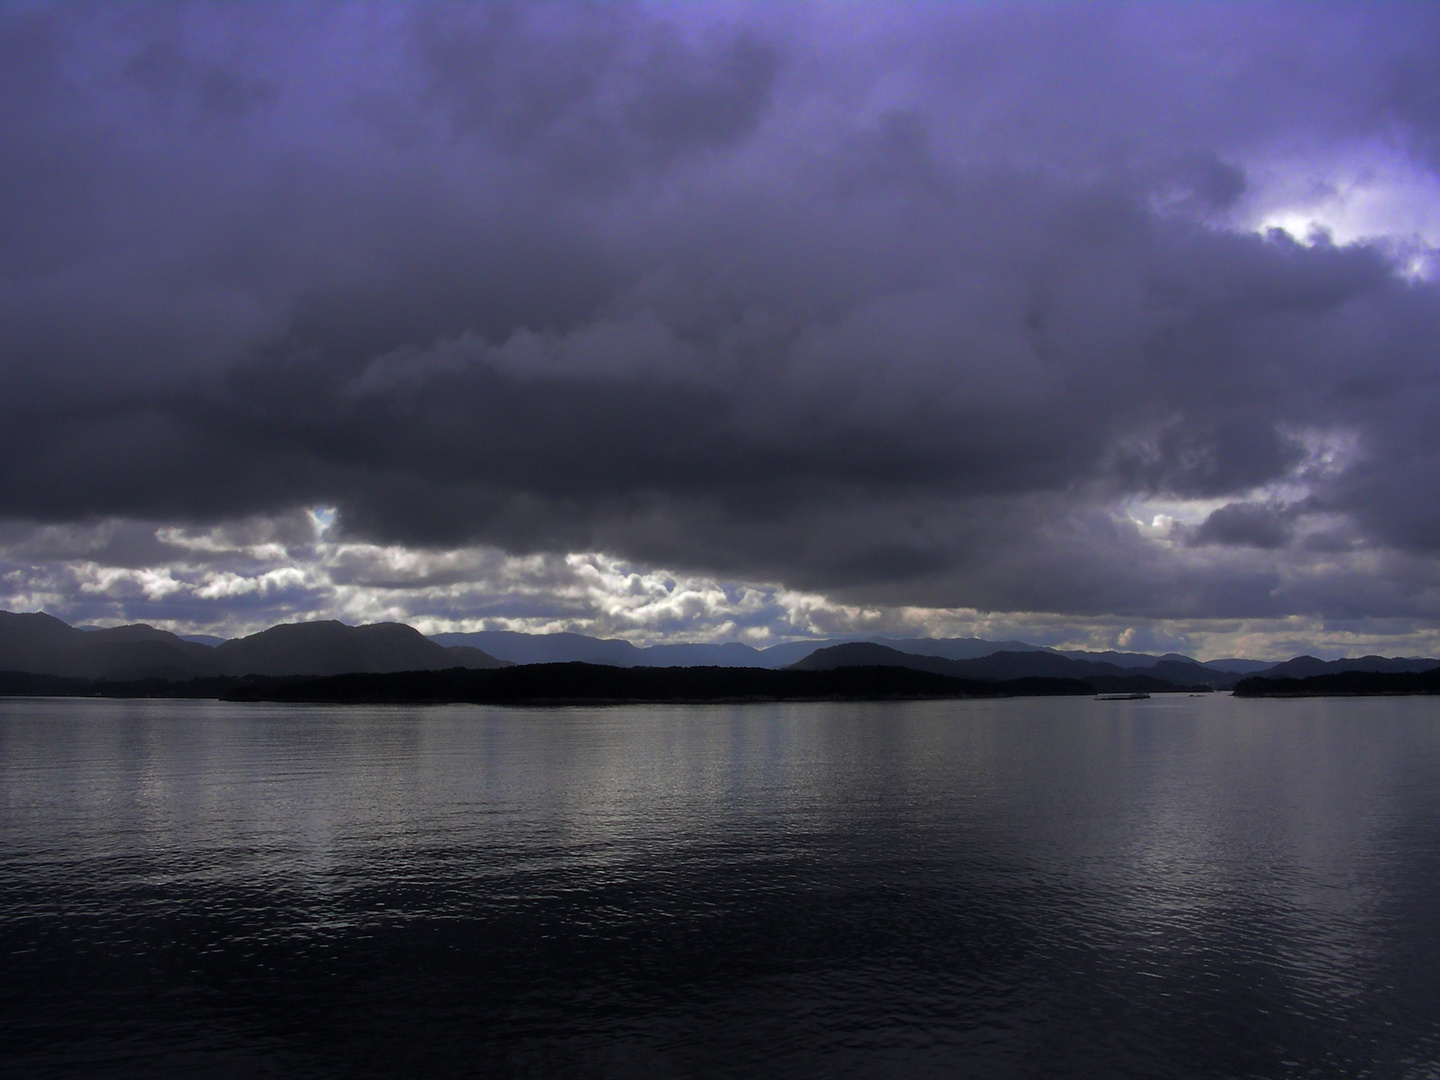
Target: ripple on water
{"points": [[1192, 887]]}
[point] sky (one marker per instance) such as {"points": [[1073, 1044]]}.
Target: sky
{"points": [[1096, 325]]}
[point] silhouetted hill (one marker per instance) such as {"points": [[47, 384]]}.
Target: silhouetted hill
{"points": [[862, 653], [1343, 684], [1190, 673], [204, 639], [1240, 667], [1186, 675], [1303, 667], [565, 647], [468, 657], [570, 648], [139, 651], [1164, 676], [40, 644], [30, 638], [786, 653], [521, 648], [1121, 659], [332, 648], [697, 654], [955, 648]]}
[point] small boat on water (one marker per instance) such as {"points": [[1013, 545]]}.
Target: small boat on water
{"points": [[1122, 697]]}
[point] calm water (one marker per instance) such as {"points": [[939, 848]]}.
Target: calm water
{"points": [[1184, 887]]}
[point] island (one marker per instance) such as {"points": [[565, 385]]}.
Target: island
{"points": [[1343, 684]]}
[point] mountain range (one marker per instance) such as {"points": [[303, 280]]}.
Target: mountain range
{"points": [[1163, 675], [41, 644], [568, 648], [36, 643]]}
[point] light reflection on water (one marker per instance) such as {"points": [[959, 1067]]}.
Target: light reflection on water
{"points": [[1042, 887]]}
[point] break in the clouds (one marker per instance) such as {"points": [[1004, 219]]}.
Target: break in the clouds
{"points": [[1100, 316]]}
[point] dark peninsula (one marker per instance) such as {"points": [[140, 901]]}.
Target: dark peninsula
{"points": [[580, 683]]}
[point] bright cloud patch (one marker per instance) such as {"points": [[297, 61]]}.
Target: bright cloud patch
{"points": [[1377, 195], [236, 579]]}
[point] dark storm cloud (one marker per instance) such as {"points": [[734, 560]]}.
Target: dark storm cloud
{"points": [[895, 306], [1245, 524], [591, 95]]}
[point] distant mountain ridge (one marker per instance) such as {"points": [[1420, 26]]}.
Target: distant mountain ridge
{"points": [[570, 648], [1105, 677], [43, 645], [1219, 674], [1304, 667], [39, 644], [1240, 667]]}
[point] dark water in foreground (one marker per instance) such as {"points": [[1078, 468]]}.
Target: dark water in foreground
{"points": [[1184, 887]]}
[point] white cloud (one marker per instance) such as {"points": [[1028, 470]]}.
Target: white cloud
{"points": [[468, 589], [1370, 194]]}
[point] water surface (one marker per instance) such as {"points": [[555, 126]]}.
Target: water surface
{"points": [[1181, 887]]}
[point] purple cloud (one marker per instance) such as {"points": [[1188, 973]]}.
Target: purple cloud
{"points": [[904, 307]]}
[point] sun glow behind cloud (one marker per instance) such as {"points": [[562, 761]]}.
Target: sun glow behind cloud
{"points": [[1372, 195]]}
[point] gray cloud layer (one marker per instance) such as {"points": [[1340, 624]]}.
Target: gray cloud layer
{"points": [[899, 306]]}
